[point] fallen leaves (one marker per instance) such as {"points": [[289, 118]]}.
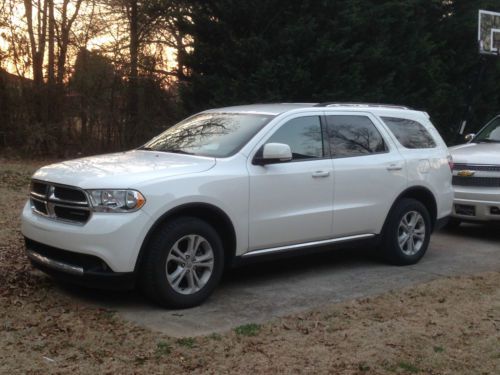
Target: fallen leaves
{"points": [[451, 325]]}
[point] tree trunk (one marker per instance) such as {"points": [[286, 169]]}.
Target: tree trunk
{"points": [[37, 38], [51, 50], [131, 130], [63, 42]]}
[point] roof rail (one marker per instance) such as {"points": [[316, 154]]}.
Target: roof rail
{"points": [[353, 104]]}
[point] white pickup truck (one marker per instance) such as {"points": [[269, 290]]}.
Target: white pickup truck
{"points": [[476, 176]]}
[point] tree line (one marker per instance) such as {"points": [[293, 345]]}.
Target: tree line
{"points": [[85, 76]]}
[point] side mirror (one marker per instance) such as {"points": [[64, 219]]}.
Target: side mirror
{"points": [[273, 153], [469, 137]]}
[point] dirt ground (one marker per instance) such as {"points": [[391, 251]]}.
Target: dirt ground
{"points": [[448, 326]]}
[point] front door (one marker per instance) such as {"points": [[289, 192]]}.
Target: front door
{"points": [[291, 202]]}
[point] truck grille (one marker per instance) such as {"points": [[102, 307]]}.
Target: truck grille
{"points": [[59, 202], [476, 181], [476, 167]]}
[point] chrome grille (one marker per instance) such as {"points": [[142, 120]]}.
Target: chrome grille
{"points": [[476, 167], [476, 181], [59, 202]]}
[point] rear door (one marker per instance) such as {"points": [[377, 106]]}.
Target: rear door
{"points": [[369, 172]]}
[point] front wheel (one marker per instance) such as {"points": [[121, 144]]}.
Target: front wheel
{"points": [[406, 233], [183, 263]]}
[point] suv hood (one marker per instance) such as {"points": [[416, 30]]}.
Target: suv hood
{"points": [[122, 170], [476, 153]]}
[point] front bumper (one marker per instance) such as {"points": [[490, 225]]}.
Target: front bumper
{"points": [[476, 204], [76, 268], [116, 239]]}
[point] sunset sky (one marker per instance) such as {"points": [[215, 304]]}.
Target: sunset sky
{"points": [[89, 32]]}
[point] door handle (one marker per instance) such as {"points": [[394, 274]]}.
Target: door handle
{"points": [[394, 167], [320, 174]]}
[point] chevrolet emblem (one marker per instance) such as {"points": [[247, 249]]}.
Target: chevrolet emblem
{"points": [[465, 173]]}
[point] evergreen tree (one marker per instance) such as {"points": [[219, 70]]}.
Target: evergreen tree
{"points": [[421, 53]]}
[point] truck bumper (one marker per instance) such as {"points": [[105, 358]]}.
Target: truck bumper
{"points": [[476, 204]]}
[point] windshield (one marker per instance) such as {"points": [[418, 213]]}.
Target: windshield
{"points": [[490, 133], [209, 134]]}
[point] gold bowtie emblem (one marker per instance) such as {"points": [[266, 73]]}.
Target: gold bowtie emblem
{"points": [[466, 173]]}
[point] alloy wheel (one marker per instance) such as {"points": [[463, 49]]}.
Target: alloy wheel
{"points": [[190, 263], [411, 233]]}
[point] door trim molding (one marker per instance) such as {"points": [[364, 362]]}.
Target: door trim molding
{"points": [[280, 249]]}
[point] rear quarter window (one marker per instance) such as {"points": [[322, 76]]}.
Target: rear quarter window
{"points": [[410, 133]]}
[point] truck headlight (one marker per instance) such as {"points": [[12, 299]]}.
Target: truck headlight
{"points": [[108, 200]]}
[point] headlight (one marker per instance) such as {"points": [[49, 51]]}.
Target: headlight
{"points": [[116, 200]]}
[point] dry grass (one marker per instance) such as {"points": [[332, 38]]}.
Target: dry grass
{"points": [[449, 326]]}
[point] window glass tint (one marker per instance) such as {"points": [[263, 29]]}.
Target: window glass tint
{"points": [[409, 133], [303, 135], [353, 136]]}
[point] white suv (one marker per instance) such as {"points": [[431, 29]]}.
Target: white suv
{"points": [[234, 183]]}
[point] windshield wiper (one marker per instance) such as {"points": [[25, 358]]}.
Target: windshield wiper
{"points": [[178, 151], [173, 151], [487, 141]]}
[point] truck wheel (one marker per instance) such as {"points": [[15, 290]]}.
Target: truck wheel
{"points": [[406, 233], [183, 263]]}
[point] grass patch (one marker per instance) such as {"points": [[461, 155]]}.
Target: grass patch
{"points": [[408, 367], [163, 348], [251, 329], [438, 349], [215, 336], [363, 367], [108, 314], [187, 342]]}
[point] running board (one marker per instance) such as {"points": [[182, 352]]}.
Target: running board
{"points": [[304, 245]]}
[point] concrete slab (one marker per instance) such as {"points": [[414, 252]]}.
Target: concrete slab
{"points": [[261, 292]]}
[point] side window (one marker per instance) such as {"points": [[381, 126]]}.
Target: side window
{"points": [[303, 135], [411, 134], [353, 136]]}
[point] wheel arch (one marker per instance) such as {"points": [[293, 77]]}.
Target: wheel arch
{"points": [[213, 215], [424, 196]]}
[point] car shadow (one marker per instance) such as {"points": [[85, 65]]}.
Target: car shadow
{"points": [[485, 231], [255, 273]]}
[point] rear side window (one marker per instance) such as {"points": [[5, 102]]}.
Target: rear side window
{"points": [[411, 134], [353, 136], [303, 135]]}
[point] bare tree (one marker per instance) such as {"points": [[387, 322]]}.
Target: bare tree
{"points": [[64, 29], [37, 32]]}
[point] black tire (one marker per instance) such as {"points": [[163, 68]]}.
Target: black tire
{"points": [[153, 271], [392, 251], [452, 224]]}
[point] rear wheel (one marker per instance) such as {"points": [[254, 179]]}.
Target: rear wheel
{"points": [[407, 233], [183, 263]]}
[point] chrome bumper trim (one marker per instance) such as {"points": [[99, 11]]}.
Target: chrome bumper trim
{"points": [[38, 258]]}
